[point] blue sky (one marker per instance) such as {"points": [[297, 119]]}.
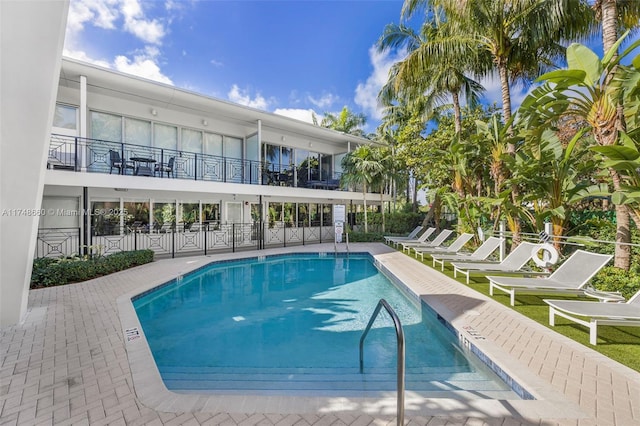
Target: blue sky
{"points": [[289, 57]]}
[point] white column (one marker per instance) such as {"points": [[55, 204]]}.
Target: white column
{"points": [[29, 74], [83, 122]]}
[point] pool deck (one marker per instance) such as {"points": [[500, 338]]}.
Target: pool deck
{"points": [[78, 358]]}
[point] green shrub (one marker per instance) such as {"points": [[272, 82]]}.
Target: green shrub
{"points": [[611, 278], [50, 272], [365, 237]]}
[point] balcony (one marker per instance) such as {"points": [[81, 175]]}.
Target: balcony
{"points": [[99, 156]]}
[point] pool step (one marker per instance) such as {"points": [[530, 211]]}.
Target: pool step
{"points": [[330, 379]]}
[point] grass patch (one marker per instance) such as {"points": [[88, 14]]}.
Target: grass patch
{"points": [[621, 344]]}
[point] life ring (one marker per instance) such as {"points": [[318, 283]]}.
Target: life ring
{"points": [[549, 255]]}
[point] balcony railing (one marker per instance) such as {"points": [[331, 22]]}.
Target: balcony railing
{"points": [[99, 156]]}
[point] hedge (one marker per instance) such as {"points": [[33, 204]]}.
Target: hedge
{"points": [[49, 272]]}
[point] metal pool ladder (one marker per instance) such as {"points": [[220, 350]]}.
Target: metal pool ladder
{"points": [[400, 338]]}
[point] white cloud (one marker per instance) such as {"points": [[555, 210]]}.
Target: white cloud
{"points": [[325, 101], [243, 97], [135, 22], [305, 115], [142, 66], [367, 92]]}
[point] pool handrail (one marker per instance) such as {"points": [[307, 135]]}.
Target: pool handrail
{"points": [[400, 338]]}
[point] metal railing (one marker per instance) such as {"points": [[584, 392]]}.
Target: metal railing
{"points": [[400, 364], [172, 241], [100, 156]]}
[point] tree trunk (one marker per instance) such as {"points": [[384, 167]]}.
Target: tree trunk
{"points": [[364, 200], [622, 259], [511, 148], [506, 101], [457, 115]]}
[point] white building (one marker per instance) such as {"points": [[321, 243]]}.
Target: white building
{"points": [[108, 162]]}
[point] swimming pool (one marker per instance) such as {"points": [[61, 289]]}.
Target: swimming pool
{"points": [[292, 324]]}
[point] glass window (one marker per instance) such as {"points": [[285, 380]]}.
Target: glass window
{"points": [[271, 157], [191, 140], [327, 215], [314, 214], [303, 214], [106, 127], [302, 165], [289, 214], [275, 214], [211, 212], [137, 132], [337, 164], [164, 213], [232, 147], [187, 214], [165, 136], [325, 166], [105, 217], [253, 171], [67, 213], [286, 160], [314, 166], [65, 117], [213, 144], [136, 216]]}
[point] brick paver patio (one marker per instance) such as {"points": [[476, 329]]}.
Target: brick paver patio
{"points": [[68, 363]]}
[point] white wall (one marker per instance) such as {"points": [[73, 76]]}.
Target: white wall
{"points": [[31, 41]]}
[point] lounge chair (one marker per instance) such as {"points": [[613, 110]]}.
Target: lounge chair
{"points": [[452, 248], [570, 278], [596, 313], [390, 238], [512, 264], [424, 237], [437, 241], [479, 255]]}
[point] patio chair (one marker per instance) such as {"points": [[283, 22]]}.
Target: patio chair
{"points": [[166, 227], [481, 254], [570, 278], [596, 313], [410, 236], [165, 168], [452, 248], [197, 227], [512, 264], [437, 241], [421, 239], [115, 162]]}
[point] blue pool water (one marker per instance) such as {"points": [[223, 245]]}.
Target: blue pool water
{"points": [[294, 323]]}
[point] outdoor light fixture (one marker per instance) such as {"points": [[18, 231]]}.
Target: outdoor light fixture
{"points": [[154, 112], [205, 123]]}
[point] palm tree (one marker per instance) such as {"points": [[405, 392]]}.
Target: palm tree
{"points": [[345, 121], [615, 15], [520, 36], [446, 73], [593, 89], [361, 167]]}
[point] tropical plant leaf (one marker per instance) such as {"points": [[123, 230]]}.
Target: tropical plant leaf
{"points": [[580, 57]]}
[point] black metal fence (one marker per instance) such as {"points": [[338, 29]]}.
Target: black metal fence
{"points": [[99, 156], [197, 240]]}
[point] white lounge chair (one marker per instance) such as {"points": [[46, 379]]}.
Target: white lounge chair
{"points": [[570, 278], [479, 255], [424, 237], [390, 238], [437, 241], [511, 264], [452, 248], [595, 313]]}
